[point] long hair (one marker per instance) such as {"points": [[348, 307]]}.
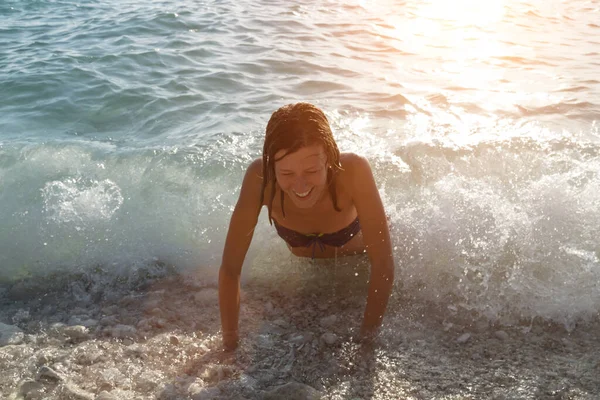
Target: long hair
{"points": [[290, 128]]}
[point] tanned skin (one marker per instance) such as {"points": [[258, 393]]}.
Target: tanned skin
{"points": [[357, 196]]}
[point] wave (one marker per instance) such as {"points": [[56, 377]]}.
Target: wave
{"points": [[502, 229]]}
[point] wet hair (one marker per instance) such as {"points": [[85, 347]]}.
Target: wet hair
{"points": [[290, 128]]}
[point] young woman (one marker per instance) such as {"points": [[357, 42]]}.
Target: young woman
{"points": [[321, 202]]}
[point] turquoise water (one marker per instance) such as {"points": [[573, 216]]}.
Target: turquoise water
{"points": [[125, 128]]}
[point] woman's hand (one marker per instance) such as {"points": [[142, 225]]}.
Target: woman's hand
{"points": [[241, 228], [376, 236], [230, 340]]}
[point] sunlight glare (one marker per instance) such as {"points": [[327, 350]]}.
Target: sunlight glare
{"points": [[463, 12]]}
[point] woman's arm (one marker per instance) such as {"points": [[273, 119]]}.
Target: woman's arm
{"points": [[239, 236], [376, 236]]}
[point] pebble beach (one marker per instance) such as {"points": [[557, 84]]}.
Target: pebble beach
{"points": [[161, 340], [125, 132]]}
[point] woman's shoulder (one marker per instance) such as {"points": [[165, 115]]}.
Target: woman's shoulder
{"points": [[352, 164], [256, 166], [355, 172], [253, 177]]}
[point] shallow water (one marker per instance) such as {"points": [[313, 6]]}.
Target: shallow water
{"points": [[126, 127]]}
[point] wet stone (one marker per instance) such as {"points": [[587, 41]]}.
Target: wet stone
{"points": [[501, 335], [21, 316], [207, 296], [104, 395], [328, 321], [28, 386], [329, 338], [48, 373], [123, 331], [209, 393], [293, 391], [10, 335], [464, 338], [77, 332], [298, 339], [70, 391], [108, 320], [195, 387], [280, 322], [269, 308]]}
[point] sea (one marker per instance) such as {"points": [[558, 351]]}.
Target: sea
{"points": [[126, 127]]}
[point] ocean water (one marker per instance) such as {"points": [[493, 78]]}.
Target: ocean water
{"points": [[126, 127]]}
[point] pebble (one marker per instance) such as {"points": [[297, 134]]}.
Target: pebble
{"points": [[156, 311], [147, 381], [281, 323], [129, 300], [207, 394], [30, 339], [482, 326], [28, 386], [215, 372], [329, 338], [46, 372], [104, 395], [74, 320], [566, 342], [297, 339], [293, 391], [501, 335], [21, 316], [72, 392], [57, 326], [111, 378], [135, 350], [89, 323], [77, 332], [10, 335], [158, 322], [203, 348], [463, 338], [269, 308], [110, 310], [247, 381], [208, 296], [151, 304], [109, 320], [174, 340], [195, 388], [123, 331], [328, 321], [143, 324]]}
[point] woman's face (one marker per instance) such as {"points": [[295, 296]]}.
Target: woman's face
{"points": [[302, 174]]}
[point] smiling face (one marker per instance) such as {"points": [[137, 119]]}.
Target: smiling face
{"points": [[302, 175]]}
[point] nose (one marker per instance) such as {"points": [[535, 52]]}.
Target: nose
{"points": [[300, 184]]}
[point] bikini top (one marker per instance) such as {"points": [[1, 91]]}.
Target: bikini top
{"points": [[335, 239]]}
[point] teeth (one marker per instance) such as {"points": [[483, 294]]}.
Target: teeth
{"points": [[302, 194]]}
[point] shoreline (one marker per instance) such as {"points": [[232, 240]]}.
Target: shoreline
{"points": [[161, 340]]}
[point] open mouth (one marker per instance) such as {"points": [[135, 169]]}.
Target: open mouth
{"points": [[304, 194]]}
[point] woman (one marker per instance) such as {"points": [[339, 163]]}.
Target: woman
{"points": [[322, 204]]}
